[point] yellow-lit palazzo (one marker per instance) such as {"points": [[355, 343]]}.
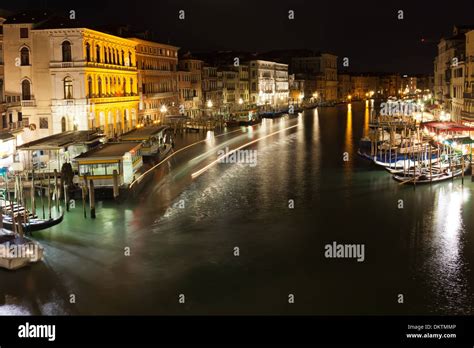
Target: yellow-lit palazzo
{"points": [[110, 80]]}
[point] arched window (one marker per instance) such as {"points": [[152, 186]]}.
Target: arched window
{"points": [[25, 56], [110, 55], [99, 86], [88, 52], [66, 47], [68, 88], [123, 58], [97, 53], [25, 90], [115, 57], [89, 86], [130, 58], [63, 124], [131, 86], [106, 55]]}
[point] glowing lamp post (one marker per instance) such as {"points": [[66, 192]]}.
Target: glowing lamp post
{"points": [[209, 105], [300, 98], [163, 111]]}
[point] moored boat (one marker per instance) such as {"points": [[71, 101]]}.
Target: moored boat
{"points": [[427, 177], [34, 223], [18, 251]]}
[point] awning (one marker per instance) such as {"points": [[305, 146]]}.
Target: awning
{"points": [[461, 141], [436, 126]]}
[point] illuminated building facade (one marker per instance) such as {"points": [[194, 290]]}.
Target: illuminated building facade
{"points": [[243, 85], [268, 83], [390, 85], [468, 95], [364, 85], [157, 80], [212, 87], [320, 74], [344, 86], [61, 78], [451, 51], [190, 85], [296, 87], [229, 77]]}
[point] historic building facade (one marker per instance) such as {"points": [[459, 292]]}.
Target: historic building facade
{"points": [[190, 85], [157, 80], [212, 87], [320, 74], [268, 83], [451, 52], [59, 79]]}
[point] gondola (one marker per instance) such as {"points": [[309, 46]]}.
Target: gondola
{"points": [[426, 178], [34, 224]]}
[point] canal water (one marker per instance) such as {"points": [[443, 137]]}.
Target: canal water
{"points": [[183, 230]]}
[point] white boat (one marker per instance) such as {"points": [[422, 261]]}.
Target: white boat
{"points": [[401, 163], [17, 252]]}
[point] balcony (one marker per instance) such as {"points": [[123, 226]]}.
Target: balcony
{"points": [[28, 103], [161, 95], [65, 64], [107, 66], [84, 64], [17, 126], [467, 115], [113, 99]]}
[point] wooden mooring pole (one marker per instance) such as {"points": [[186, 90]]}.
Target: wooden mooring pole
{"points": [[92, 198], [32, 192], [116, 185], [84, 194], [56, 189]]}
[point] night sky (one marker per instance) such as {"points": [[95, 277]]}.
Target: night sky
{"points": [[368, 32]]}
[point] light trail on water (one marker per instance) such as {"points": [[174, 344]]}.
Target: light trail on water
{"points": [[202, 170]]}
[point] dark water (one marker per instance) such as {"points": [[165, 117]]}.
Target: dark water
{"points": [[182, 233]]}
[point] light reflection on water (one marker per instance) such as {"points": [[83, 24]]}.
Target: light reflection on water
{"points": [[448, 263], [424, 250]]}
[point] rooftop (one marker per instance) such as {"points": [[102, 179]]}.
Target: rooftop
{"points": [[62, 140], [143, 133], [43, 20], [6, 136], [110, 150]]}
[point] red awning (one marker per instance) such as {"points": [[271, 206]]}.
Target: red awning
{"points": [[436, 126]]}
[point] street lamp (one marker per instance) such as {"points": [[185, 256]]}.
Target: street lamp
{"points": [[209, 105], [315, 97], [163, 111]]}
